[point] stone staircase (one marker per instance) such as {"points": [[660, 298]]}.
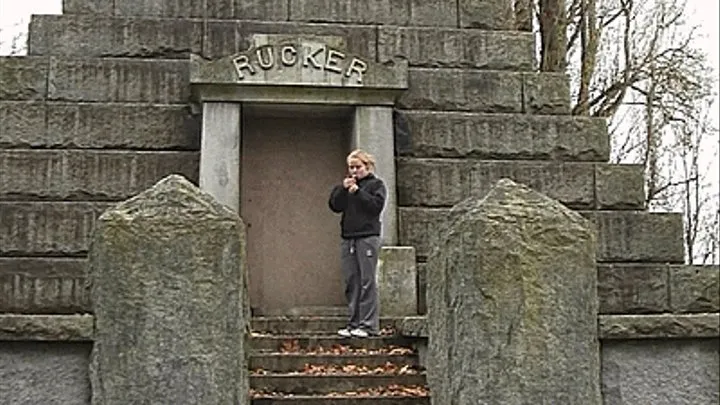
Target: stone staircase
{"points": [[300, 360]]}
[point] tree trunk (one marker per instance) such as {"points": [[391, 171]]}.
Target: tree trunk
{"points": [[552, 31]]}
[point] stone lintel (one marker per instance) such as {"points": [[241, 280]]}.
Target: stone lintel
{"points": [[296, 61], [300, 94]]}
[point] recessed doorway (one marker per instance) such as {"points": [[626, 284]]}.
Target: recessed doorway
{"points": [[291, 156]]}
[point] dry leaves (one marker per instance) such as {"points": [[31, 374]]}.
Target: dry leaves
{"points": [[394, 390], [293, 347]]}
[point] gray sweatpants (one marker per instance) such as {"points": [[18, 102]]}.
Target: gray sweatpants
{"points": [[359, 259]]}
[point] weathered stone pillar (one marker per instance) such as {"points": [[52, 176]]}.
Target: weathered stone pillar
{"points": [[512, 303], [220, 152], [373, 132], [168, 289]]}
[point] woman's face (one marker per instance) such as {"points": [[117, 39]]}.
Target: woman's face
{"points": [[357, 168]]}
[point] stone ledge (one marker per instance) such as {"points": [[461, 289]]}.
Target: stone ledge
{"points": [[79, 328], [623, 236], [66, 328], [662, 326]]}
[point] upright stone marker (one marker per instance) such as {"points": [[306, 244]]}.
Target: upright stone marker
{"points": [[512, 304], [168, 288]]}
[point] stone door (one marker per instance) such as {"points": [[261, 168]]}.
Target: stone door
{"points": [[289, 163]]}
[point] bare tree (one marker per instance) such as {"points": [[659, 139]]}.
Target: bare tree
{"points": [[17, 43], [635, 63]]}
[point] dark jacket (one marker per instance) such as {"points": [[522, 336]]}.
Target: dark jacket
{"points": [[360, 210]]}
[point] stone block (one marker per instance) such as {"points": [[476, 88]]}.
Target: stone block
{"points": [[88, 174], [442, 13], [546, 93], [266, 10], [623, 236], [47, 228], [502, 136], [381, 12], [51, 328], [695, 288], [118, 80], [446, 182], [636, 236], [223, 38], [23, 77], [21, 123], [163, 8], [486, 14], [43, 285], [661, 372], [514, 51], [66, 36], [420, 228], [633, 289], [44, 373], [102, 7], [432, 47], [95, 125], [659, 326], [168, 287], [506, 324], [396, 280], [620, 186], [376, 12], [463, 90]]}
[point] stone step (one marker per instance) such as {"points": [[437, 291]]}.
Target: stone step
{"points": [[299, 384], [486, 91], [36, 124], [63, 35], [506, 136], [308, 324], [286, 362], [446, 182], [434, 134], [299, 344], [95, 79], [623, 236], [136, 37], [80, 174], [448, 13], [337, 399], [168, 82]]}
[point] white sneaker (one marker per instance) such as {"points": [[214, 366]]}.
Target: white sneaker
{"points": [[345, 332], [359, 333]]}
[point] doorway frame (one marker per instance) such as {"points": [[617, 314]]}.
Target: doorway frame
{"points": [[222, 93]]}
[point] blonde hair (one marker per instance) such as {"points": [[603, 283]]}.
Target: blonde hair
{"points": [[367, 159]]}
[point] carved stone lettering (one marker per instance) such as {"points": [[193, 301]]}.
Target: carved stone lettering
{"points": [[313, 56]]}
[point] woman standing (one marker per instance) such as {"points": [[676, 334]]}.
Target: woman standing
{"points": [[360, 198]]}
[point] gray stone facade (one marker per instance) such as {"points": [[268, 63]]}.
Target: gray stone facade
{"points": [[87, 123]]}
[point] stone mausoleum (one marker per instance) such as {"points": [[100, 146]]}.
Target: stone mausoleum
{"points": [[257, 103]]}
